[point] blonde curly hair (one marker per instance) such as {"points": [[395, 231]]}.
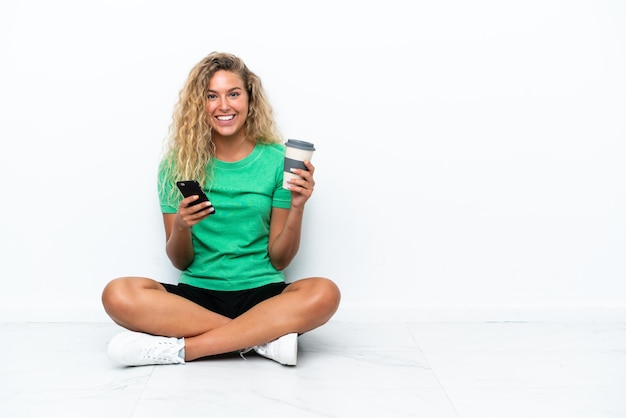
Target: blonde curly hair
{"points": [[190, 146]]}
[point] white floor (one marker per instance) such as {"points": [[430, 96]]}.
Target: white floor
{"points": [[345, 369]]}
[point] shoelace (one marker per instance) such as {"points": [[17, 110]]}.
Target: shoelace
{"points": [[245, 351], [163, 351]]}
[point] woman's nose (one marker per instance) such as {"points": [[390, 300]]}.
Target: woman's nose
{"points": [[223, 104]]}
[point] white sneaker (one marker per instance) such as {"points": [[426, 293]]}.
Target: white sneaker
{"points": [[283, 350], [138, 349]]}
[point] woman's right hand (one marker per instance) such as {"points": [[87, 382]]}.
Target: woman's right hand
{"points": [[179, 245], [189, 214]]}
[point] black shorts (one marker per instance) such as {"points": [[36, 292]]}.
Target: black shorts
{"points": [[228, 303]]}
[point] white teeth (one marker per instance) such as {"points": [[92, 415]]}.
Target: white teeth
{"points": [[225, 117]]}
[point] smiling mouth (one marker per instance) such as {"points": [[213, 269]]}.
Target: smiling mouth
{"points": [[225, 118]]}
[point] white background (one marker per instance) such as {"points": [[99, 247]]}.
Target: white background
{"points": [[470, 154]]}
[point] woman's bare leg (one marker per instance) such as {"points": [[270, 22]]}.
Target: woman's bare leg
{"points": [[141, 304], [144, 305], [304, 305]]}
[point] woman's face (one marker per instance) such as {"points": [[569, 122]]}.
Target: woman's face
{"points": [[227, 105]]}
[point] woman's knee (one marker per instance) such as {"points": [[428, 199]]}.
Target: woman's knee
{"points": [[333, 294], [113, 294], [324, 296], [118, 294]]}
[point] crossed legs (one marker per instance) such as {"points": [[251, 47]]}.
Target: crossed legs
{"points": [[141, 304]]}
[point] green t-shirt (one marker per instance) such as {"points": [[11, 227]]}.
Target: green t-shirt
{"points": [[231, 246]]}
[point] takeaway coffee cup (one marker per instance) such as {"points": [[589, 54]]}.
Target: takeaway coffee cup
{"points": [[296, 152]]}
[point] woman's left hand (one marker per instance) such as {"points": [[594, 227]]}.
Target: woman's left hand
{"points": [[302, 189]]}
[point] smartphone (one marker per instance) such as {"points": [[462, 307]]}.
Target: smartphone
{"points": [[191, 188]]}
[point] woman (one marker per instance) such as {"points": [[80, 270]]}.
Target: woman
{"points": [[232, 295]]}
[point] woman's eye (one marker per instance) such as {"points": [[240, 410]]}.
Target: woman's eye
{"points": [[211, 96], [234, 94]]}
